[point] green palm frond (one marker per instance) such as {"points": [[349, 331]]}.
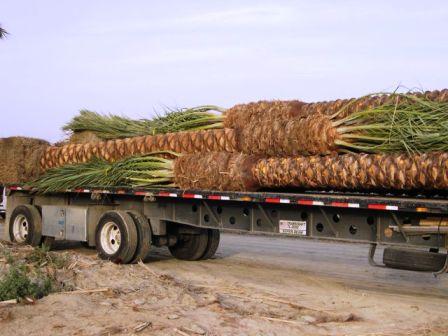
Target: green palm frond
{"points": [[404, 123], [140, 171], [113, 127]]}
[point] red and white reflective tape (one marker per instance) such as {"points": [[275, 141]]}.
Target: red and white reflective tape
{"points": [[229, 198], [310, 202], [344, 205], [143, 193], [218, 198], [101, 191], [192, 196], [277, 200], [382, 207], [167, 194], [81, 190]]}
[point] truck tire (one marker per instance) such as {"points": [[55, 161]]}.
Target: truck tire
{"points": [[414, 260], [25, 225], [212, 245], [116, 237], [144, 236], [190, 246]]}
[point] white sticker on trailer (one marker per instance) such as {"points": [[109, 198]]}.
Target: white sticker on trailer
{"points": [[292, 227]]}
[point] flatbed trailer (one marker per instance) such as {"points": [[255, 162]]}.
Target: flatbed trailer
{"points": [[123, 223]]}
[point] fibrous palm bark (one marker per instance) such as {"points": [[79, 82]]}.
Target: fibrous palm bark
{"points": [[239, 172], [183, 142], [240, 115]]}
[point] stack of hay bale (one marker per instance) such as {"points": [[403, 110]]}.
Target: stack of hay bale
{"points": [[19, 159]]}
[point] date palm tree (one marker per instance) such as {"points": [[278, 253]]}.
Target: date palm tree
{"points": [[3, 33]]}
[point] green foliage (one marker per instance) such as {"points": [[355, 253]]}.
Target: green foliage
{"points": [[40, 256], [139, 171], [114, 127], [405, 123], [22, 280]]}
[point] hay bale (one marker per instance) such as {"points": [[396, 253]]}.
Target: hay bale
{"points": [[19, 159], [84, 137]]}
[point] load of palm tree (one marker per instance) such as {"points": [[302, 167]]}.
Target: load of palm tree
{"points": [[240, 172], [402, 123], [382, 141]]}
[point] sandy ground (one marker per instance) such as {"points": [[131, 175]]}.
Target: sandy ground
{"points": [[254, 286]]}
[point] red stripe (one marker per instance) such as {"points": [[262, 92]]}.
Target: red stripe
{"points": [[339, 204], [140, 193], [305, 202], [377, 206], [188, 195], [272, 200], [214, 197], [164, 193], [79, 190]]}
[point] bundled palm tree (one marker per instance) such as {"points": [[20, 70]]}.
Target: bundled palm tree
{"points": [[146, 170], [240, 115], [402, 123], [116, 127], [240, 172]]}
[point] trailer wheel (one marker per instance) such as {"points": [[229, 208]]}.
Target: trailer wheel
{"points": [[25, 225], [144, 236], [212, 244], [116, 237], [414, 260], [190, 246]]}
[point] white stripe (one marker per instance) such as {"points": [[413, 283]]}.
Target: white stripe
{"points": [[197, 196], [225, 198], [391, 207], [282, 200], [353, 205], [318, 203], [86, 190]]}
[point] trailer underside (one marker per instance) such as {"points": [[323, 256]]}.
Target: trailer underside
{"points": [[374, 219]]}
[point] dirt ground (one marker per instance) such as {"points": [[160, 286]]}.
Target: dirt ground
{"points": [[227, 295]]}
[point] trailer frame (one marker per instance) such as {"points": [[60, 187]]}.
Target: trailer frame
{"points": [[354, 217]]}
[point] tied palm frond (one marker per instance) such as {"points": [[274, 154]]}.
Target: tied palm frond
{"points": [[405, 123], [139, 171], [114, 127]]}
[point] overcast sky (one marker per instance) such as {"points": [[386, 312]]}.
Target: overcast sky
{"points": [[136, 57]]}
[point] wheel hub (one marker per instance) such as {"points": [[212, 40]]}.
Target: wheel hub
{"points": [[20, 229], [110, 238]]}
